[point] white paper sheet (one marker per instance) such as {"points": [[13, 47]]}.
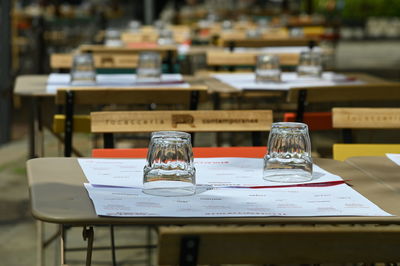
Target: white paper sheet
{"points": [[57, 80], [216, 172], [338, 200], [395, 157], [276, 50], [246, 81]]}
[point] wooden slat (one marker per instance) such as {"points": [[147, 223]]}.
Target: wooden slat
{"points": [[274, 244], [60, 61], [366, 117], [221, 58], [191, 121], [135, 37], [101, 60], [105, 95], [356, 92], [110, 60], [343, 151], [81, 123], [102, 48]]}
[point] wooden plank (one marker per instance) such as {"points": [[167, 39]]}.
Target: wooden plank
{"points": [[343, 151], [124, 49], [137, 37], [81, 123], [221, 58], [106, 95], [60, 61], [283, 244], [101, 60], [356, 92], [110, 60], [377, 118], [191, 121]]}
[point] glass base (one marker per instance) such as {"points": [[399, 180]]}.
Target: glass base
{"points": [[287, 175], [169, 188]]}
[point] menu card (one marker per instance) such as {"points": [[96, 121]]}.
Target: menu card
{"points": [[227, 187], [337, 200], [247, 81], [215, 172], [395, 157], [56, 80]]}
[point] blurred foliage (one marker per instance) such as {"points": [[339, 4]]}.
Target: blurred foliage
{"points": [[358, 9]]}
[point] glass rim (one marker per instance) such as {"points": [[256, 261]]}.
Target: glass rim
{"points": [[289, 125], [170, 134], [267, 57], [150, 53]]}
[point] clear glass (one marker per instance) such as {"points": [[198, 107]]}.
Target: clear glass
{"points": [[134, 25], [113, 38], [149, 67], [289, 153], [254, 33], [160, 24], [310, 65], [169, 170], [268, 69], [83, 70], [227, 25], [166, 37]]}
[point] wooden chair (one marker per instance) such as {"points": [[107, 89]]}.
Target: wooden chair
{"points": [[372, 92], [274, 244], [71, 97], [168, 52], [150, 35], [364, 118], [123, 58], [219, 59], [109, 123], [106, 60]]}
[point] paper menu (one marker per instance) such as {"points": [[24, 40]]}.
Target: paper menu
{"points": [[338, 200], [56, 80], [216, 172], [113, 172], [395, 157], [243, 81]]}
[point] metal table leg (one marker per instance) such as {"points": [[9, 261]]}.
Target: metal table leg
{"points": [[39, 243], [32, 130], [88, 234], [36, 136]]}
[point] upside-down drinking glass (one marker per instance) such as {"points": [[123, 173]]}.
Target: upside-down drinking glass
{"points": [[310, 65], [149, 67], [268, 69], [83, 70], [169, 170], [289, 153]]}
